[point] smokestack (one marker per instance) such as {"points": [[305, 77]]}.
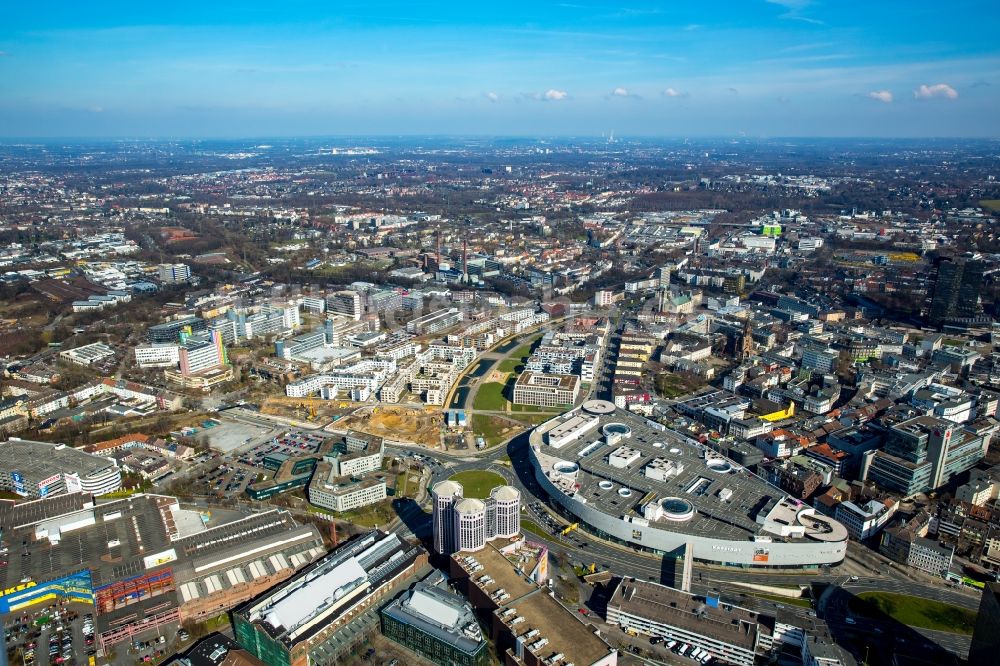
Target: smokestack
{"points": [[438, 256], [465, 261]]}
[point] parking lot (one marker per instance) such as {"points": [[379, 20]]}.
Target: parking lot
{"points": [[287, 445], [152, 644], [57, 633], [226, 480], [231, 436], [235, 471]]}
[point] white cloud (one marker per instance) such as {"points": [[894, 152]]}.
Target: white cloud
{"points": [[936, 90], [674, 92], [794, 12], [620, 92], [492, 96], [881, 95], [554, 95]]}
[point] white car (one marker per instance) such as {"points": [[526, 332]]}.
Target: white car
{"points": [[849, 620]]}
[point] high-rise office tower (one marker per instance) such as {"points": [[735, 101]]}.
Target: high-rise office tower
{"points": [[956, 289], [446, 495], [503, 513], [470, 525]]}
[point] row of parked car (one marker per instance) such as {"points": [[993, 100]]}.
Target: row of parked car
{"points": [[687, 650], [60, 648]]}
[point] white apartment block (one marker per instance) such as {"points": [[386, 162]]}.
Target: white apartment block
{"points": [[397, 351], [157, 355], [393, 389], [347, 303], [369, 373], [313, 304], [174, 273], [434, 322]]}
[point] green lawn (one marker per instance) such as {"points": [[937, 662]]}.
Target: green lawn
{"points": [[369, 516], [400, 486], [532, 418], [791, 601], [670, 385], [218, 622], [914, 611], [524, 351], [991, 204], [490, 397], [478, 483], [511, 365], [534, 528], [494, 430], [531, 409]]}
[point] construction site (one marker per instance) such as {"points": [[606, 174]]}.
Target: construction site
{"points": [[401, 424], [313, 410]]}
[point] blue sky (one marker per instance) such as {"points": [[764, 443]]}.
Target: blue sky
{"points": [[670, 68]]}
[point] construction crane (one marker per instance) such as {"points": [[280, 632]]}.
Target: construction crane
{"points": [[310, 405], [569, 528]]}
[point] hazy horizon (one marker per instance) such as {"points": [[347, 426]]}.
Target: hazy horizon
{"points": [[753, 68]]}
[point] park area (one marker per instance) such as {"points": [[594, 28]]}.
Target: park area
{"points": [[490, 398], [514, 363], [493, 429], [478, 483], [914, 611], [673, 385]]}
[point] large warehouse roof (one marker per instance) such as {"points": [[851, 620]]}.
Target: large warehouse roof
{"points": [[42, 459]]}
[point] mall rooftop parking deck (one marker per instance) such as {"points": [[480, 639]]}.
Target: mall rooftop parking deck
{"points": [[635, 480]]}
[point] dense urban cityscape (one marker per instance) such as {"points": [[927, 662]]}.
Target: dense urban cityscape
{"points": [[461, 401]]}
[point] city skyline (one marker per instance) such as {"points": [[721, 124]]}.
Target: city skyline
{"points": [[779, 68]]}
